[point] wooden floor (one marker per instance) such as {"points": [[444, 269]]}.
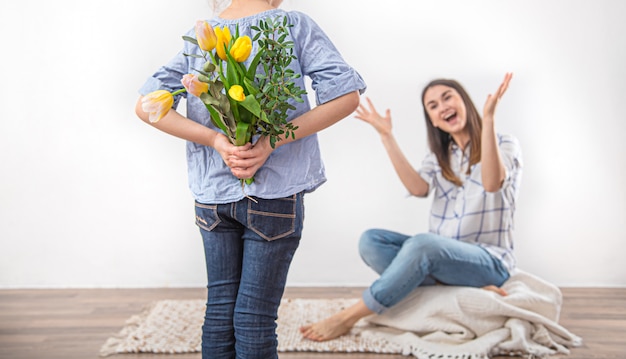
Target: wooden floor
{"points": [[74, 323]]}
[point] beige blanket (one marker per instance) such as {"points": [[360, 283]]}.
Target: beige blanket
{"points": [[460, 322]]}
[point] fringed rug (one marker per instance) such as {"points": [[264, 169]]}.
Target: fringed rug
{"points": [[174, 326], [432, 322]]}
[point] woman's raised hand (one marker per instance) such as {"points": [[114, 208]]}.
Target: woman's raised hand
{"points": [[492, 99], [371, 116]]}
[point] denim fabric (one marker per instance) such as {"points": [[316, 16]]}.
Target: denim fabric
{"points": [[248, 246], [407, 262]]}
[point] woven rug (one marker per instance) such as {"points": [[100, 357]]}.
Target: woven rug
{"points": [[431, 322], [174, 326]]}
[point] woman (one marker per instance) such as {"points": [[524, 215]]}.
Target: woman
{"points": [[475, 174], [250, 237]]}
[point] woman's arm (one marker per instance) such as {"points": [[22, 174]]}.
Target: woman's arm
{"points": [[493, 171], [411, 179]]}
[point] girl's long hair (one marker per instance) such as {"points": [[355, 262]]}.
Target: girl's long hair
{"points": [[439, 141]]}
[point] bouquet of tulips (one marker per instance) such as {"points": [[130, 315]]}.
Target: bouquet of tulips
{"points": [[242, 101]]}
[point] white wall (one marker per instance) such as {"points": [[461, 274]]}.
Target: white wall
{"points": [[92, 197]]}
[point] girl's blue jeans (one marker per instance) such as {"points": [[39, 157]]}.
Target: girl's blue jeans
{"points": [[248, 246], [407, 262]]}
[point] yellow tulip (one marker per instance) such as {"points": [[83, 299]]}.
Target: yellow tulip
{"points": [[157, 103], [223, 40], [236, 93], [193, 85], [241, 48], [205, 35]]}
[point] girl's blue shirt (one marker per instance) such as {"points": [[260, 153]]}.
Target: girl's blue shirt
{"points": [[292, 168]]}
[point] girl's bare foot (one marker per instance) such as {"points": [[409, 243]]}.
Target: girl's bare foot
{"points": [[337, 324]]}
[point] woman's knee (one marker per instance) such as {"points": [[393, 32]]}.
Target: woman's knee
{"points": [[368, 242], [426, 248], [424, 242], [375, 250], [367, 239]]}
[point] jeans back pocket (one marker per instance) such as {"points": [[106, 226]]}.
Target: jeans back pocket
{"points": [[275, 218], [206, 216]]}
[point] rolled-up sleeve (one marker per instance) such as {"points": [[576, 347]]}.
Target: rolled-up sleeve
{"points": [[511, 153], [168, 77], [330, 75], [429, 169]]}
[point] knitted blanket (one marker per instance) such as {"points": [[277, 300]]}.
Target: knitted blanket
{"points": [[460, 322]]}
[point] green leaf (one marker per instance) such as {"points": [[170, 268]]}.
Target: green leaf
{"points": [[241, 138], [194, 55], [216, 87], [251, 104], [208, 66], [234, 73], [234, 107], [208, 99], [222, 77], [190, 39], [250, 86], [264, 117], [253, 65], [216, 117]]}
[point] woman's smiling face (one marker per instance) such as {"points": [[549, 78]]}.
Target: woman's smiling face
{"points": [[445, 108]]}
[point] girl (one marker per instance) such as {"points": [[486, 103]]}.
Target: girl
{"points": [[250, 238], [475, 174]]}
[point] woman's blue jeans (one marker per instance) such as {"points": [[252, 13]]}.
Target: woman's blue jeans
{"points": [[407, 262], [248, 246]]}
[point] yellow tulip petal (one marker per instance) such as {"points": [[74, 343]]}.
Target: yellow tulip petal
{"points": [[157, 104], [236, 93], [193, 85], [205, 35], [223, 40], [227, 35], [241, 49]]}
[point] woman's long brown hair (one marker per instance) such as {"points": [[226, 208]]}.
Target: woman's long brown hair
{"points": [[439, 141]]}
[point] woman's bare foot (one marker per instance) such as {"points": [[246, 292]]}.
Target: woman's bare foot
{"points": [[496, 290], [337, 324], [327, 329]]}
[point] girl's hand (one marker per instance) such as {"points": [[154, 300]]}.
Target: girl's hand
{"points": [[492, 100], [230, 152], [371, 116], [249, 158]]}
